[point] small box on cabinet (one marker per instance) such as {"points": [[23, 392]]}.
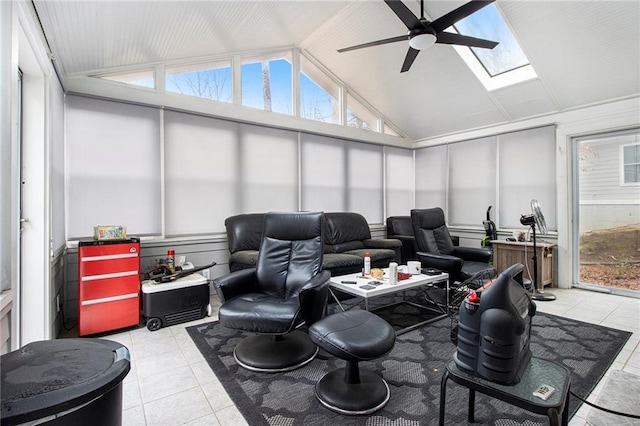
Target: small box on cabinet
{"points": [[109, 232]]}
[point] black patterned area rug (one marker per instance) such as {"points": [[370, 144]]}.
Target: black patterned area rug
{"points": [[413, 370]]}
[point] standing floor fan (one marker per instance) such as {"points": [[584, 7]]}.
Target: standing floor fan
{"points": [[536, 218]]}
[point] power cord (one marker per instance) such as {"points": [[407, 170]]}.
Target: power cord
{"points": [[64, 321], [618, 413], [526, 259]]}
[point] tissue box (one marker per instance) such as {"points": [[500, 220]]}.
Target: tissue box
{"points": [[109, 232]]}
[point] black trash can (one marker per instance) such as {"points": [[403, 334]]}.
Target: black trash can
{"points": [[64, 382]]}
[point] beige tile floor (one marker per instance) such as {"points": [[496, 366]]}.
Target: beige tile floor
{"points": [[170, 383]]}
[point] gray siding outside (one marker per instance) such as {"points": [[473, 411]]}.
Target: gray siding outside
{"points": [[605, 201]]}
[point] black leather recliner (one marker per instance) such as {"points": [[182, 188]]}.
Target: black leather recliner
{"points": [[286, 289], [400, 228], [436, 250]]}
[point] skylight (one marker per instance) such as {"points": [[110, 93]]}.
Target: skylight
{"points": [[502, 66]]}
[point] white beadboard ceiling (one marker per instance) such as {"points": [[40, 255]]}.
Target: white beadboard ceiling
{"points": [[584, 52]]}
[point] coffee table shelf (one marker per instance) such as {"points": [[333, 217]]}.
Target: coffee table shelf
{"points": [[414, 282]]}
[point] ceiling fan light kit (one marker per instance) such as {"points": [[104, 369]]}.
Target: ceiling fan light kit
{"points": [[423, 33], [422, 41]]}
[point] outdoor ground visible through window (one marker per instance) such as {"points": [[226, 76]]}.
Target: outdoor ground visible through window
{"points": [[611, 257]]}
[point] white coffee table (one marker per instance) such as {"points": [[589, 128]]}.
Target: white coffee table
{"points": [[341, 283]]}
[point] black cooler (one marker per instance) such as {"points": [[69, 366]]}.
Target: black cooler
{"points": [[64, 382], [175, 302]]}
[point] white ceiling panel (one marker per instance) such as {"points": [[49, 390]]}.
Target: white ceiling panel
{"points": [[584, 52], [525, 100], [88, 36]]}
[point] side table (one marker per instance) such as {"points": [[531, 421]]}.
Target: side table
{"points": [[537, 373], [506, 253]]}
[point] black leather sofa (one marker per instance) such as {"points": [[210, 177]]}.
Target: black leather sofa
{"points": [[347, 238], [244, 233]]}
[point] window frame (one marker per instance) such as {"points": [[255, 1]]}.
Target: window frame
{"points": [[298, 59], [623, 163]]}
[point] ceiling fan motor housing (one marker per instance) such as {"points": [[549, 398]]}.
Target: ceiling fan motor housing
{"points": [[419, 31]]}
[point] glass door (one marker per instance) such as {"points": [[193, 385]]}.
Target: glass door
{"points": [[607, 206]]}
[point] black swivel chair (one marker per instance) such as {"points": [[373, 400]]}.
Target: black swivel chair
{"points": [[436, 250], [286, 289]]}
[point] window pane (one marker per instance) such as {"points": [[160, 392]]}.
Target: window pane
{"points": [[266, 83], [323, 185], [199, 196], [389, 131], [607, 243], [143, 78], [364, 184], [269, 182], [632, 154], [431, 177], [360, 116], [208, 81], [487, 23], [472, 181], [399, 181], [318, 94], [526, 176], [632, 173], [102, 136]]}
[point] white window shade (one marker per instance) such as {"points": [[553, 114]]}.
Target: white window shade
{"points": [[364, 180], [269, 164], [472, 181], [202, 185], [323, 168], [399, 181], [112, 167], [527, 171], [431, 177]]}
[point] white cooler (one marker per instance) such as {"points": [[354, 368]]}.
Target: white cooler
{"points": [[175, 302]]}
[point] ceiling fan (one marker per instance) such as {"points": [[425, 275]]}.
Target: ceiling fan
{"points": [[423, 34]]}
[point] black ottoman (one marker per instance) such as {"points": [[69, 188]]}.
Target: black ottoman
{"points": [[353, 336]]}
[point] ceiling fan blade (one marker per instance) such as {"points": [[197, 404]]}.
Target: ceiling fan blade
{"points": [[463, 40], [410, 20], [375, 43], [458, 14], [408, 60]]}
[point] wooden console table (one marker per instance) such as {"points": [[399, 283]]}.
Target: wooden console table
{"points": [[506, 253]]}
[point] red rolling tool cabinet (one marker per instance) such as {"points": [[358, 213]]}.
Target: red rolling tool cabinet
{"points": [[108, 285]]}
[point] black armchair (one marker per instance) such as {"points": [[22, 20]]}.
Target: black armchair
{"points": [[436, 250], [286, 289]]}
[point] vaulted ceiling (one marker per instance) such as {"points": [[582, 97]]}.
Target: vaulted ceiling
{"points": [[584, 52]]}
